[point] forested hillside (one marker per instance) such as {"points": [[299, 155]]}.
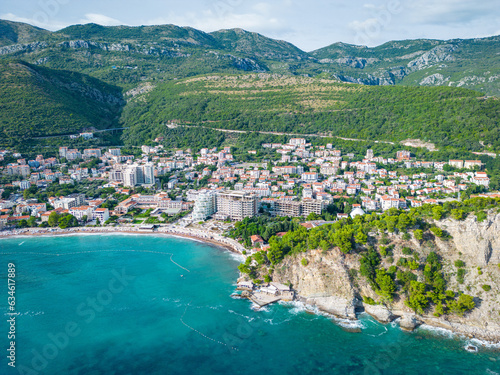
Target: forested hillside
{"points": [[448, 117], [36, 101]]}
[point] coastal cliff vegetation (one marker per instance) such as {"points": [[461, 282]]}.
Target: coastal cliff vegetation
{"points": [[397, 253]]}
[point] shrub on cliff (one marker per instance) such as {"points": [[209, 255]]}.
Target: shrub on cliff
{"points": [[369, 263], [463, 304], [481, 216], [369, 301], [437, 212], [457, 214], [438, 232], [417, 300], [406, 251], [440, 310], [460, 275], [386, 285]]}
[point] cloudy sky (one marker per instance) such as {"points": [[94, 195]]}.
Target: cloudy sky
{"points": [[307, 24]]}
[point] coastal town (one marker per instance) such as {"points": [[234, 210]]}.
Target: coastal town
{"points": [[100, 187], [233, 187]]}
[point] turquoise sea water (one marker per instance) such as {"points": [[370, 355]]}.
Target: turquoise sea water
{"points": [[132, 304]]}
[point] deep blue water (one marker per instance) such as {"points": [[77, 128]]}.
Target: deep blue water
{"points": [[118, 304]]}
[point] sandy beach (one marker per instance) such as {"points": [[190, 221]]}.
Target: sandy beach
{"points": [[195, 234]]}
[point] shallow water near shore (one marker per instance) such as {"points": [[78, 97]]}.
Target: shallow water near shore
{"points": [[135, 304]]}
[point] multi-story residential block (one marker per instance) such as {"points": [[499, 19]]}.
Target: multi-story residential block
{"points": [[63, 151], [281, 207], [73, 154], [101, 213], [403, 155], [309, 176], [297, 141], [471, 164], [92, 153], [236, 204], [149, 174], [312, 206], [387, 202], [87, 135], [81, 211], [456, 163], [70, 201]]}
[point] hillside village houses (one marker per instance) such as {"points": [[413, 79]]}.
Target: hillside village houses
{"points": [[210, 183]]}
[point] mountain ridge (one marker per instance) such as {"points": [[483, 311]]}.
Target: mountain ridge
{"points": [[164, 52]]}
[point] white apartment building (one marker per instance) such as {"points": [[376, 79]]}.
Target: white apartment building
{"points": [[312, 205], [92, 153], [149, 174], [101, 213], [204, 205], [297, 141], [309, 176], [390, 202], [72, 200], [81, 211], [138, 174], [470, 164], [130, 176]]}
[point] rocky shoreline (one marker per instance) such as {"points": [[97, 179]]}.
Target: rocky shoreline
{"points": [[407, 321], [328, 282], [336, 305]]}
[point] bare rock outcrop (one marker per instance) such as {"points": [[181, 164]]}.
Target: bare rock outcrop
{"points": [[323, 282], [327, 282], [380, 312], [409, 322], [477, 241]]}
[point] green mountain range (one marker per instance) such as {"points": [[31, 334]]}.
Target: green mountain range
{"points": [[139, 78], [127, 55]]}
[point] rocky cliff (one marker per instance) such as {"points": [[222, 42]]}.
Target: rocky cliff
{"points": [[324, 282], [330, 279], [479, 242]]}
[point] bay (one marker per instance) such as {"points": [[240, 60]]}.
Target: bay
{"points": [[147, 304]]}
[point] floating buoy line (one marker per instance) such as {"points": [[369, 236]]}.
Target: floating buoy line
{"points": [[202, 334], [99, 251]]}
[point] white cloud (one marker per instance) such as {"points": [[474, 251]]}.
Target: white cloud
{"points": [[100, 19], [39, 19], [211, 20], [262, 8], [449, 12], [363, 25], [43, 20]]}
